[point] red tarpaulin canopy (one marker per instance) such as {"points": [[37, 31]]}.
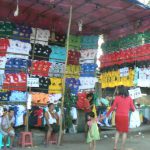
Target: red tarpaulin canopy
{"points": [[98, 16]]}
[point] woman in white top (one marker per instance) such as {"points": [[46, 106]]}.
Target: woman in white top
{"points": [[51, 122]]}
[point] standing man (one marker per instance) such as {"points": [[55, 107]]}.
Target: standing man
{"points": [[7, 123]]}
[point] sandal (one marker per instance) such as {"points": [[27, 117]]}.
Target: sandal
{"points": [[4, 148]]}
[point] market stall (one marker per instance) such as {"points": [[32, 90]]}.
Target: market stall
{"points": [[44, 59]]}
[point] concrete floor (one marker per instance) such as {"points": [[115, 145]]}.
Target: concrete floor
{"points": [[134, 142]]}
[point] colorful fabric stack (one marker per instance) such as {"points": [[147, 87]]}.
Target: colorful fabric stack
{"points": [[56, 86], [15, 82], [39, 36], [4, 95], [89, 42], [22, 33], [73, 57], [73, 71], [113, 79], [132, 52], [74, 42], [88, 70], [18, 96], [143, 79], [18, 49], [57, 39], [73, 85], [16, 65], [40, 68], [123, 43], [88, 56], [58, 54], [87, 83], [4, 43], [44, 83], [130, 55], [40, 52], [56, 69], [6, 29]]}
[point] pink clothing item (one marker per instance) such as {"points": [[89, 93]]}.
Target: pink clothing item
{"points": [[89, 123], [122, 105]]}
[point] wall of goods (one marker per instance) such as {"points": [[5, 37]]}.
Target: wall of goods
{"points": [[126, 61], [28, 52]]}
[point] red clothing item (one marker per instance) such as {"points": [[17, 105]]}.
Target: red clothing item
{"points": [[4, 43], [122, 106]]}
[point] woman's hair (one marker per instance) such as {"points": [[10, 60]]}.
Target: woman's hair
{"points": [[50, 104], [91, 114], [123, 91], [89, 95]]}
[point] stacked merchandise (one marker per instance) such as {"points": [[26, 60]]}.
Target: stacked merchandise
{"points": [[40, 65], [81, 66], [73, 69], [130, 58], [57, 59], [20, 59], [89, 46], [14, 64], [126, 62], [48, 66]]}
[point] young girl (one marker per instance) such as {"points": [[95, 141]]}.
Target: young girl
{"points": [[93, 132]]}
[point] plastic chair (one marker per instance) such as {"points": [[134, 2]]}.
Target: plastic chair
{"points": [[25, 139], [1, 141], [53, 138]]}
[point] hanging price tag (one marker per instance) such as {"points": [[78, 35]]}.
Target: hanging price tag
{"points": [[124, 72], [135, 93], [33, 82]]}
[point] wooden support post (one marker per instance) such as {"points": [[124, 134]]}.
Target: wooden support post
{"points": [[27, 115], [64, 78]]}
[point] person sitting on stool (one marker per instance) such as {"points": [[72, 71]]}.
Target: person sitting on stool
{"points": [[51, 122], [7, 127]]}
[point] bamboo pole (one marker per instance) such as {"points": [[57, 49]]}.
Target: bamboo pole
{"points": [[64, 77], [27, 115]]}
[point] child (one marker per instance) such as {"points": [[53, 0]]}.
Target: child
{"points": [[93, 132]]}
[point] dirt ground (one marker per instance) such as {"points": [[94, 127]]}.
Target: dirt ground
{"points": [[134, 142]]}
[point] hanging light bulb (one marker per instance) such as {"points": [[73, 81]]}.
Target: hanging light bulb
{"points": [[16, 13], [80, 25]]}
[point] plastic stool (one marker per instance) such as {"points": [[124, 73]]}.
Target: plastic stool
{"points": [[1, 141], [53, 139], [25, 139]]}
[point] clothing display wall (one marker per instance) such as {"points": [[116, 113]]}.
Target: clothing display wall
{"points": [[129, 41], [132, 52], [140, 53], [30, 52], [20, 59], [113, 78]]}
